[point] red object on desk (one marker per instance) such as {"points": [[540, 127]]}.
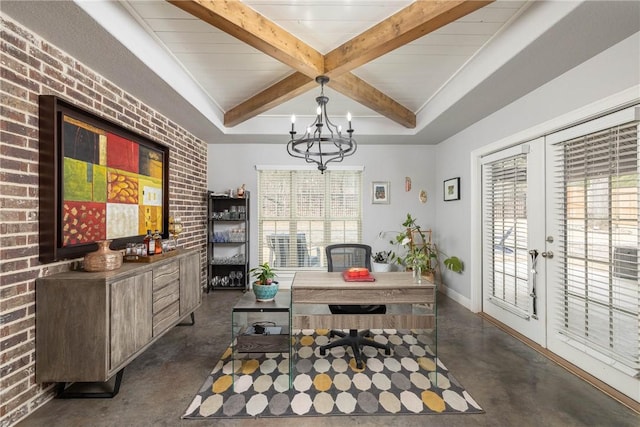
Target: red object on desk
{"points": [[359, 276]]}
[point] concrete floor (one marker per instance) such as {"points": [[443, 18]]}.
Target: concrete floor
{"points": [[515, 385]]}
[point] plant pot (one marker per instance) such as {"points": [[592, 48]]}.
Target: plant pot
{"points": [[265, 293], [380, 267]]}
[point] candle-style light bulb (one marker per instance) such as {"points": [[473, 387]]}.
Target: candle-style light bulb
{"points": [[293, 122], [349, 119]]}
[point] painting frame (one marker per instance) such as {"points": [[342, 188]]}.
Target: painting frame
{"points": [[97, 181], [451, 189], [380, 193]]}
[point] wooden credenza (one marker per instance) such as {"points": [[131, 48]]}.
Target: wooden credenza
{"points": [[89, 326]]}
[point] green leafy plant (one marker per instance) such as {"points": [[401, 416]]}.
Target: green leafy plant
{"points": [[420, 251], [263, 274]]}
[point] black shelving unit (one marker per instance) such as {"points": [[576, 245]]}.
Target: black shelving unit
{"points": [[227, 242]]}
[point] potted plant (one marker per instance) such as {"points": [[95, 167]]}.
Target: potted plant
{"points": [[421, 253], [264, 287], [381, 261]]}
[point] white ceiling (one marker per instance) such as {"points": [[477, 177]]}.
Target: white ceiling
{"points": [[450, 78]]}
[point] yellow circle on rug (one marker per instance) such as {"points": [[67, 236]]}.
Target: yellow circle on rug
{"points": [[222, 384], [427, 363], [322, 382], [433, 401], [354, 367], [307, 340], [250, 366]]}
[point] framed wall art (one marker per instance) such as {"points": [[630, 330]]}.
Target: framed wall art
{"points": [[380, 192], [98, 181], [452, 189]]}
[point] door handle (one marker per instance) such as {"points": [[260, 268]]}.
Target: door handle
{"points": [[547, 254]]}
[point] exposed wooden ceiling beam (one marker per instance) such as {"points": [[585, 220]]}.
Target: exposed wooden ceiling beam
{"points": [[244, 23], [414, 21], [286, 89], [367, 95]]}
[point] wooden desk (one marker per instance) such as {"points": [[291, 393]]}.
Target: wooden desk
{"points": [[322, 288]]}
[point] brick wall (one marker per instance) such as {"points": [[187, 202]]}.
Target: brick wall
{"points": [[30, 66]]}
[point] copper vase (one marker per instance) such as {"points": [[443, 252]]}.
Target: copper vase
{"points": [[104, 259]]}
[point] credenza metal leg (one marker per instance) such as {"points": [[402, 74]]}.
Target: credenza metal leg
{"points": [[193, 321], [64, 393]]}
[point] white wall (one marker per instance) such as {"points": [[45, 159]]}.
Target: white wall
{"points": [[607, 74], [604, 76], [230, 166]]}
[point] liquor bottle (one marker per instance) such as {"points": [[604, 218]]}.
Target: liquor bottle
{"points": [[157, 238], [150, 243]]}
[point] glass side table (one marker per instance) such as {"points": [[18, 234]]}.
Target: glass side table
{"points": [[261, 335]]}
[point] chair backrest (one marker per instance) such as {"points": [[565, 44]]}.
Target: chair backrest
{"points": [[346, 255]]}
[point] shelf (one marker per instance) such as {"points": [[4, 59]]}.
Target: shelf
{"points": [[231, 234]]}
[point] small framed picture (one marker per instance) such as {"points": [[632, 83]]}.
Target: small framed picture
{"points": [[452, 189], [380, 192]]}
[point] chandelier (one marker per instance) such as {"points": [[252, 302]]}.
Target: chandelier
{"points": [[316, 147]]}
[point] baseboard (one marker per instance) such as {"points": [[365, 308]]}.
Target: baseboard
{"points": [[457, 297], [585, 376]]}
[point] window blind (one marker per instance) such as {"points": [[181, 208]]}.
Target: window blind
{"points": [[300, 212], [598, 198], [505, 232]]}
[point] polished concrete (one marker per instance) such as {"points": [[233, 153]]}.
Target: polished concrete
{"points": [[515, 385]]}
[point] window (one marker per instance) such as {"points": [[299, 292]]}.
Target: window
{"points": [[300, 212]]}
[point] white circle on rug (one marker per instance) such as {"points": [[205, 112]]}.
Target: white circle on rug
{"points": [[439, 380], [409, 364], [323, 403], [322, 340], [381, 381], [281, 384], [262, 383], [345, 402], [395, 339], [301, 403], [375, 365], [410, 401], [268, 366], [419, 380], [342, 382], [390, 402], [417, 350], [302, 382], [340, 365], [454, 400], [242, 383], [361, 381], [257, 404], [392, 364], [211, 405], [321, 365], [409, 339], [305, 352], [283, 366]]}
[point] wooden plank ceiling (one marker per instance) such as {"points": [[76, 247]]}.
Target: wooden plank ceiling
{"points": [[244, 23]]}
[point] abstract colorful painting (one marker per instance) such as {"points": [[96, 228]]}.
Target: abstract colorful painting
{"points": [[111, 183]]}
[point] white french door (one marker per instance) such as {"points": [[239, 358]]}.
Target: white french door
{"points": [[561, 244], [594, 292], [513, 206]]}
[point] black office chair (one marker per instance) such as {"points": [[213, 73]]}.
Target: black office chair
{"points": [[341, 257]]}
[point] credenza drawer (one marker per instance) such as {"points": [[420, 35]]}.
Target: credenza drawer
{"points": [[165, 274], [166, 317], [165, 296]]}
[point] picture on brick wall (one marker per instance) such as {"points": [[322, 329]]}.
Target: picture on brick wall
{"points": [[112, 182]]}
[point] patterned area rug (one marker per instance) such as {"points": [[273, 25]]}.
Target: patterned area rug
{"points": [[410, 381]]}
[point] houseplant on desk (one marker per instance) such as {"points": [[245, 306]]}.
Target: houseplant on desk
{"points": [[264, 287], [381, 261]]}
